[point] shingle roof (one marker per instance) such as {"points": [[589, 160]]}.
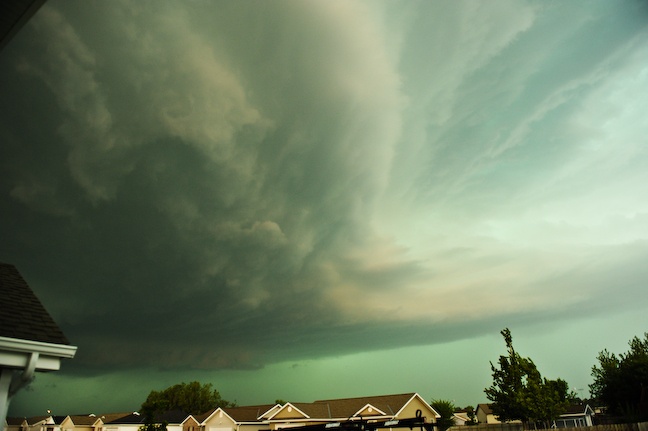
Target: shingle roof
{"points": [[15, 420], [486, 408], [22, 315], [13, 15], [133, 418], [109, 417], [83, 419], [246, 413], [171, 417], [574, 409], [346, 407]]}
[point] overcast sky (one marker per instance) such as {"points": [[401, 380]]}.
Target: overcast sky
{"points": [[308, 200]]}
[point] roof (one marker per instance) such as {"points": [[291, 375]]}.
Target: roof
{"points": [[22, 315], [13, 16], [171, 417], [247, 413], [578, 409], [15, 420], [83, 419], [109, 417], [132, 418], [347, 407], [486, 408], [342, 408]]}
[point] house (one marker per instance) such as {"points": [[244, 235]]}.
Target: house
{"points": [[375, 408], [30, 340], [377, 412], [80, 423], [132, 422], [323, 412], [247, 418], [16, 424], [485, 415], [577, 415], [36, 423], [89, 422], [460, 418]]}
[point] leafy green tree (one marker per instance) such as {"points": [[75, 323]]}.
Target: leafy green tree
{"points": [[154, 427], [472, 417], [191, 398], [446, 410], [519, 392], [621, 382]]}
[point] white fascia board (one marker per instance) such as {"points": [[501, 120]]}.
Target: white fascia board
{"points": [[417, 396], [28, 346], [368, 406], [16, 353]]}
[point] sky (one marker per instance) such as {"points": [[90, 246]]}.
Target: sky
{"points": [[325, 199]]}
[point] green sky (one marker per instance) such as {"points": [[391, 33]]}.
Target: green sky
{"points": [[308, 200]]}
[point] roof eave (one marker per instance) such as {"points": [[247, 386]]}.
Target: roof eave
{"points": [[29, 346], [18, 353]]}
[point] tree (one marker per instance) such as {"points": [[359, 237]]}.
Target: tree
{"points": [[621, 382], [154, 427], [446, 410], [191, 398], [519, 392], [472, 417]]}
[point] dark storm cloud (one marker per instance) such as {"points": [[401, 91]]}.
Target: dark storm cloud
{"points": [[186, 208], [226, 185]]}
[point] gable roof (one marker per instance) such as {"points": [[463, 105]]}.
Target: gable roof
{"points": [[247, 413], [349, 407], [578, 410], [170, 417], [109, 417], [486, 408], [83, 419], [22, 315], [16, 420], [132, 418], [298, 411], [345, 408]]}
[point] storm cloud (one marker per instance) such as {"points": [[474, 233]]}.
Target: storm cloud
{"points": [[216, 185]]}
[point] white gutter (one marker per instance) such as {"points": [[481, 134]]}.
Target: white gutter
{"points": [[28, 346]]}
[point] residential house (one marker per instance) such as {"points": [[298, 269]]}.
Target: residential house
{"points": [[460, 418], [246, 418], [290, 415], [16, 424], [375, 408], [80, 423], [577, 415], [484, 414], [89, 422], [132, 422]]}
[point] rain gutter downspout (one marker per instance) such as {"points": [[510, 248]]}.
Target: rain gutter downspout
{"points": [[10, 383]]}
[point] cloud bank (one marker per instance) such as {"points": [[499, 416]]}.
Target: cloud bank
{"points": [[218, 185]]}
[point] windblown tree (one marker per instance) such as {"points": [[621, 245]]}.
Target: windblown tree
{"points": [[621, 382], [191, 398], [519, 392], [446, 410]]}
